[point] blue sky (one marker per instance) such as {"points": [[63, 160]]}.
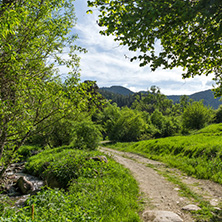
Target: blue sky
{"points": [[107, 64]]}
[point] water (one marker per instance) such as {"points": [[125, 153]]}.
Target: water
{"points": [[13, 173]]}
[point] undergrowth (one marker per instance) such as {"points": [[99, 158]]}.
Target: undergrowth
{"points": [[94, 190]]}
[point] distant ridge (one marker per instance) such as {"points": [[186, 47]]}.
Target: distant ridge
{"points": [[118, 90], [207, 96]]}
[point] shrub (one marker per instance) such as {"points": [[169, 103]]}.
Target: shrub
{"points": [[86, 135], [63, 164], [196, 115], [129, 126]]}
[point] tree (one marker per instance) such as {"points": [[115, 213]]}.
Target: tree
{"points": [[32, 34], [196, 115], [189, 33], [218, 115], [129, 126], [152, 100]]}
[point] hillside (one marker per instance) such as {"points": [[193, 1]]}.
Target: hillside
{"points": [[124, 97], [118, 90], [207, 96]]}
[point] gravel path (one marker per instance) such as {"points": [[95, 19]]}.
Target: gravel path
{"points": [[162, 195]]}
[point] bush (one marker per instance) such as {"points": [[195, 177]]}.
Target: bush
{"points": [[196, 115], [86, 135], [27, 151], [129, 126], [218, 115], [63, 164], [167, 126]]}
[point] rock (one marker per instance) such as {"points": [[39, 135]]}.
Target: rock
{"points": [[99, 158], [176, 189], [214, 202], [24, 185], [191, 207], [217, 208], [161, 216]]}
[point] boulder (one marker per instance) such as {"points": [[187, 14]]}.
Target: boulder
{"points": [[191, 207], [25, 186], [160, 216]]}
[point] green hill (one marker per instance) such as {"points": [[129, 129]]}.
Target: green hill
{"points": [[118, 90]]}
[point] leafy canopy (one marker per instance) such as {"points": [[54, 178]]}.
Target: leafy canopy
{"points": [[189, 33], [33, 37]]}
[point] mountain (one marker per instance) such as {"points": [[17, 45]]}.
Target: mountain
{"points": [[124, 97], [207, 96], [118, 90]]}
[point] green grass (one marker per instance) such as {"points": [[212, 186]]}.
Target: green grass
{"points": [[95, 191], [199, 155]]}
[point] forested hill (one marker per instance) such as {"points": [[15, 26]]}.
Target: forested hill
{"points": [[125, 97], [207, 96], [118, 90]]}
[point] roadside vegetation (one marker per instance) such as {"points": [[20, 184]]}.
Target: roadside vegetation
{"points": [[198, 154], [92, 190]]}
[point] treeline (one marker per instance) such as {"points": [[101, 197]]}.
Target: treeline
{"points": [[150, 115], [120, 100], [126, 97], [153, 115]]}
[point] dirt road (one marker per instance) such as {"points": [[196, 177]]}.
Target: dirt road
{"points": [[159, 193]]}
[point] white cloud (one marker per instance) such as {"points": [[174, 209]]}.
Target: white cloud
{"points": [[106, 62]]}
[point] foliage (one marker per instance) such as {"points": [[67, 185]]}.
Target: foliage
{"points": [[189, 33], [196, 115], [107, 117], [110, 194], [198, 155], [63, 163], [153, 99], [27, 151], [32, 35], [129, 126], [218, 115], [86, 135]]}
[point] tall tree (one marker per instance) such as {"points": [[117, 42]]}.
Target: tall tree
{"points": [[32, 34], [153, 100], [189, 33]]}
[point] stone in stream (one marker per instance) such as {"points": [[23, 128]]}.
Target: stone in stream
{"points": [[160, 216], [24, 185]]}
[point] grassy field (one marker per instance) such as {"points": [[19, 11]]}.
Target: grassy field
{"points": [[93, 190], [199, 154]]}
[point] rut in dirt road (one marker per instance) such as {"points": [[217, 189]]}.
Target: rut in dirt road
{"points": [[164, 202]]}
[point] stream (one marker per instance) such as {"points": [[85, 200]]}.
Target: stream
{"points": [[12, 174]]}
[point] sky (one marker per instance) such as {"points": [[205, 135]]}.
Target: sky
{"points": [[108, 64]]}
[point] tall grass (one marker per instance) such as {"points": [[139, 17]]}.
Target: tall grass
{"points": [[199, 155]]}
